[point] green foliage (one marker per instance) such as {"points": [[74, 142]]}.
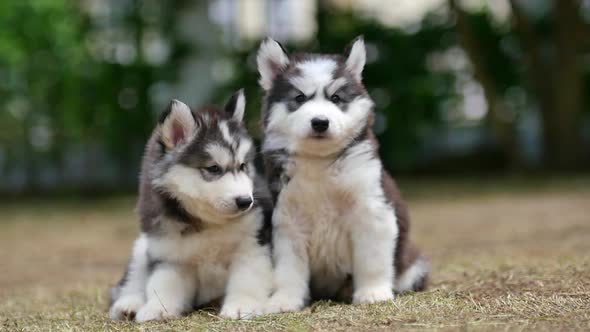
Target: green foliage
{"points": [[40, 57], [56, 95], [63, 87]]}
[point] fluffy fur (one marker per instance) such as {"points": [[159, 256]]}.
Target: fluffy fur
{"points": [[338, 215], [204, 235]]}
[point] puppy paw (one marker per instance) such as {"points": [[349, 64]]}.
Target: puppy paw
{"points": [[244, 308], [283, 303], [373, 295], [155, 311], [126, 306]]}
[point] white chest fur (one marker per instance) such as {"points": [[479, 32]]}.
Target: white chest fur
{"points": [[325, 200], [192, 249]]}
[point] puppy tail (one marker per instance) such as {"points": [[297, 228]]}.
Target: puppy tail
{"points": [[415, 276]]}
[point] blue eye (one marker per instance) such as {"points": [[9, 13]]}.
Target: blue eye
{"points": [[214, 169], [300, 98]]}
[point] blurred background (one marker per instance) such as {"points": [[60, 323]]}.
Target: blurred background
{"points": [[461, 87]]}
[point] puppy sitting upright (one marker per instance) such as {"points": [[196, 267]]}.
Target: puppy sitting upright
{"points": [[203, 229], [338, 213]]}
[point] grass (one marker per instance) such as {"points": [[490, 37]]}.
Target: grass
{"points": [[507, 255]]}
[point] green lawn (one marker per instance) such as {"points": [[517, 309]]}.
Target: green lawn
{"points": [[510, 254]]}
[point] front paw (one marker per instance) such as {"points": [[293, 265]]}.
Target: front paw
{"points": [[372, 294], [126, 306], [245, 308], [283, 303], [155, 311]]}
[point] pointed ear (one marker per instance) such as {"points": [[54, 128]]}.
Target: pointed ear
{"points": [[271, 60], [236, 105], [356, 55], [176, 124]]}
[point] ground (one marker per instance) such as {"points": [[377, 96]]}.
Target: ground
{"points": [[507, 255]]}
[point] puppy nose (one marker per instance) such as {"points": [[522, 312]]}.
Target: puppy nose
{"points": [[243, 202], [320, 125]]}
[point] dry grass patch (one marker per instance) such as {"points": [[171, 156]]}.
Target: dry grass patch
{"points": [[509, 256]]}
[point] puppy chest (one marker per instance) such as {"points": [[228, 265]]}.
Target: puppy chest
{"points": [[196, 249], [215, 250], [314, 200], [321, 209]]}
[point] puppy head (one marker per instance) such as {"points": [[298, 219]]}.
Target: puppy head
{"points": [[315, 104], [206, 160]]}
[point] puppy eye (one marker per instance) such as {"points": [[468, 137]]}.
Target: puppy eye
{"points": [[300, 98], [242, 167], [335, 99], [214, 169]]}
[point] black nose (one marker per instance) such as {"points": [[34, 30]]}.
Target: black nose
{"points": [[319, 125], [243, 202]]}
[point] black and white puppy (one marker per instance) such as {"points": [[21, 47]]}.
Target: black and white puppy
{"points": [[203, 230], [338, 215]]}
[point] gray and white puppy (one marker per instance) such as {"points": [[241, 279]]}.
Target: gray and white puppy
{"points": [[204, 235], [338, 216]]}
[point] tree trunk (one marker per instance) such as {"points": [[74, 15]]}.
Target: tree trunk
{"points": [[557, 82], [502, 125], [561, 126]]}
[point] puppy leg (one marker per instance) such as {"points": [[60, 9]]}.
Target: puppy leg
{"points": [[373, 238], [129, 295], [170, 291], [249, 282], [291, 266]]}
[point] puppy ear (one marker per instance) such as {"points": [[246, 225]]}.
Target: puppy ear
{"points": [[356, 56], [271, 60], [176, 124], [236, 105]]}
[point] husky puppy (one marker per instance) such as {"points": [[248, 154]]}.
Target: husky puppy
{"points": [[203, 229], [338, 216]]}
